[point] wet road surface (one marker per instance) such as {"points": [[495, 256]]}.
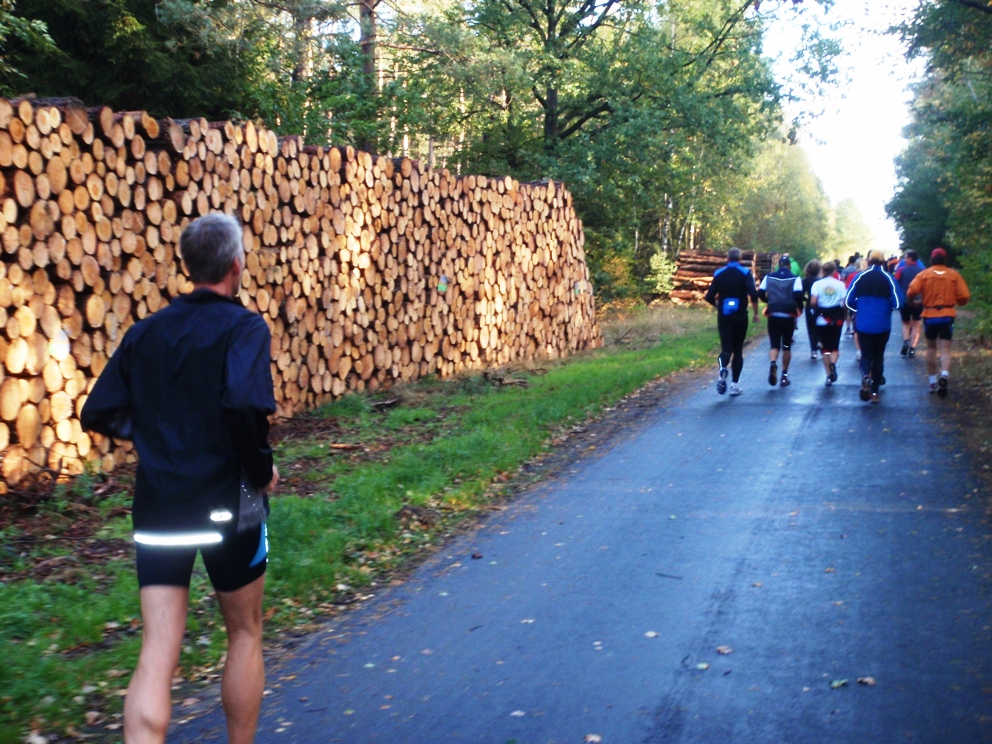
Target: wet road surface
{"points": [[820, 538]]}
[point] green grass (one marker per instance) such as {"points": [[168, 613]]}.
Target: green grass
{"points": [[446, 447]]}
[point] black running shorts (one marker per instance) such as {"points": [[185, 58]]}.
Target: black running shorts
{"points": [[780, 332], [942, 331], [829, 336], [910, 312], [231, 564]]}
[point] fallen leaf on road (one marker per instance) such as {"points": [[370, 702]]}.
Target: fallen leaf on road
{"points": [[868, 681], [757, 584], [651, 634], [838, 683], [829, 570], [724, 650], [528, 621], [93, 717], [518, 714], [426, 652], [592, 738], [702, 666], [349, 712], [476, 556]]}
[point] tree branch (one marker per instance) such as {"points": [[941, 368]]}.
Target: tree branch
{"points": [[604, 108]]}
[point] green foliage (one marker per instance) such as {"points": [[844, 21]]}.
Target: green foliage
{"points": [[944, 197], [662, 272], [29, 34], [785, 209], [852, 233]]}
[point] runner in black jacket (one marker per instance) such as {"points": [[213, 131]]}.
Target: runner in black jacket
{"points": [[731, 289], [191, 385]]}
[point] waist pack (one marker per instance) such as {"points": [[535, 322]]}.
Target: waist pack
{"points": [[252, 510], [730, 305]]}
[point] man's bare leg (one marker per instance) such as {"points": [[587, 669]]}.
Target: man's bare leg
{"points": [[906, 331], [944, 350], [244, 672], [148, 705], [932, 357], [914, 333]]}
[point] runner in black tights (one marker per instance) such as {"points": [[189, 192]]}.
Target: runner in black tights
{"points": [[730, 291]]}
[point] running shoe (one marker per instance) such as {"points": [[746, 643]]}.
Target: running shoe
{"points": [[912, 352], [735, 389], [721, 383], [785, 380], [865, 391], [875, 398], [858, 356], [905, 349], [881, 380], [812, 356], [942, 387], [773, 374], [829, 382], [833, 372], [933, 388]]}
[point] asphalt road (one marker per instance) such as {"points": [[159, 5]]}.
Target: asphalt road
{"points": [[820, 538]]}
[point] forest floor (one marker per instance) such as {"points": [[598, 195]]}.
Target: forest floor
{"points": [[371, 486]]}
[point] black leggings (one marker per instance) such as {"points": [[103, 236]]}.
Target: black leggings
{"points": [[812, 330], [733, 334], [873, 356]]}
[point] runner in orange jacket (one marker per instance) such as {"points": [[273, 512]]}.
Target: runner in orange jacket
{"points": [[942, 289]]}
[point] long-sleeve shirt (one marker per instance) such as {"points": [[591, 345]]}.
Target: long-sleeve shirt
{"points": [[192, 387], [733, 282], [942, 288], [873, 295]]}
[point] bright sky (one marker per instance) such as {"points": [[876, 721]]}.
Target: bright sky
{"points": [[852, 144]]}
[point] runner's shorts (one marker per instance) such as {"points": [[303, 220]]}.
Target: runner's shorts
{"points": [[911, 312], [780, 331], [933, 330], [231, 564], [830, 336]]}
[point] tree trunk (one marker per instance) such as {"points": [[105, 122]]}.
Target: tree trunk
{"points": [[551, 119], [367, 41]]}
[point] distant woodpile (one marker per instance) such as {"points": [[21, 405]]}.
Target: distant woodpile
{"points": [[367, 269], [695, 271]]}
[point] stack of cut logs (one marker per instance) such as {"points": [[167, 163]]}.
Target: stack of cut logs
{"points": [[695, 271], [366, 269]]}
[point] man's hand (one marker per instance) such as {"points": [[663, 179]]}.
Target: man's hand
{"points": [[275, 480]]}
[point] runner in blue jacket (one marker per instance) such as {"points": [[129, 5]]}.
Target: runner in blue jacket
{"points": [[873, 296]]}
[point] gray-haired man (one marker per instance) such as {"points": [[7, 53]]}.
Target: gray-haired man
{"points": [[192, 387]]}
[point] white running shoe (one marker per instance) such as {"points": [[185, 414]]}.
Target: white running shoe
{"points": [[735, 389]]}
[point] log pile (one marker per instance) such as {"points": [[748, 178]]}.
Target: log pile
{"points": [[695, 271], [367, 270]]}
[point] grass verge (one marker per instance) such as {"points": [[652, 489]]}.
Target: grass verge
{"points": [[368, 484]]}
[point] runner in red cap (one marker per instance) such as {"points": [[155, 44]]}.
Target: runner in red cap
{"points": [[943, 289]]}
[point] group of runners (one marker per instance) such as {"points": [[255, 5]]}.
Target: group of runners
{"points": [[862, 296]]}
